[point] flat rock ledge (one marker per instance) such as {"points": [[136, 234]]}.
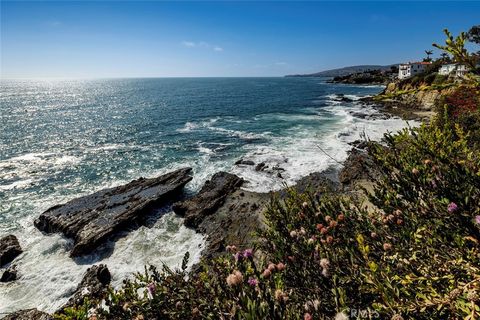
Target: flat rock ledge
{"points": [[208, 200], [92, 219], [9, 249]]}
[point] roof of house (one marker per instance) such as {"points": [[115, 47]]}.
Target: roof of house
{"points": [[418, 62]]}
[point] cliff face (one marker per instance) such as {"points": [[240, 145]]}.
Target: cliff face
{"points": [[414, 96]]}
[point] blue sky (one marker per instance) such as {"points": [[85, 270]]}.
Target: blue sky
{"points": [[157, 39]]}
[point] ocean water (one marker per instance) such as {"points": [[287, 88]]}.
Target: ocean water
{"points": [[63, 139]]}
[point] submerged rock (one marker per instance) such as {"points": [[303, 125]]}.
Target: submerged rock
{"points": [[93, 285], [92, 219], [9, 249], [209, 199], [29, 314]]}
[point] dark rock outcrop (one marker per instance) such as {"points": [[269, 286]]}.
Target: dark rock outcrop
{"points": [[245, 162], [241, 214], [92, 219], [9, 275], [260, 166], [209, 199], [9, 249], [359, 165], [29, 314], [94, 285]]}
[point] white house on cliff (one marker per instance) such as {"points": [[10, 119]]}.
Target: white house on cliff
{"points": [[457, 69], [411, 69]]}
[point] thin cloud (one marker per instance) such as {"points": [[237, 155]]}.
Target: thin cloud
{"points": [[201, 44], [188, 44]]}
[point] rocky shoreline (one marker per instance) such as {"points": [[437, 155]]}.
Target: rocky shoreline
{"points": [[223, 212]]}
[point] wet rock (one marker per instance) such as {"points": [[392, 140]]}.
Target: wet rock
{"points": [[9, 249], [260, 166], [357, 166], [359, 144], [92, 219], [209, 199], [245, 162], [29, 314], [94, 285], [9, 275]]}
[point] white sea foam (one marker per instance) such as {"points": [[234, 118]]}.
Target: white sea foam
{"points": [[48, 275], [305, 151]]}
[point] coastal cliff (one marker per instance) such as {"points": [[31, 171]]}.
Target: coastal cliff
{"points": [[418, 96]]}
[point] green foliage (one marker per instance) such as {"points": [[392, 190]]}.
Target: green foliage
{"points": [[456, 47], [462, 107]]}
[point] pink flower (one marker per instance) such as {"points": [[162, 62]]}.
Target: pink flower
{"points": [[271, 267], [151, 288], [302, 231], [452, 207], [307, 316], [341, 217], [280, 266], [477, 220], [231, 248], [293, 234], [253, 282], [235, 278], [329, 239], [324, 263], [238, 256], [248, 253], [280, 295], [266, 273], [387, 246]]}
